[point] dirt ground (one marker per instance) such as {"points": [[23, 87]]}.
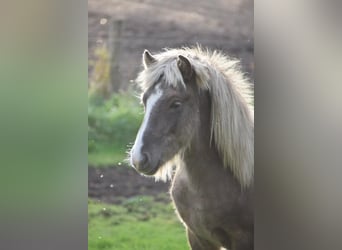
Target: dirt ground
{"points": [[113, 184]]}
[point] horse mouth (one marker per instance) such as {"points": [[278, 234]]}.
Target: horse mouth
{"points": [[151, 171]]}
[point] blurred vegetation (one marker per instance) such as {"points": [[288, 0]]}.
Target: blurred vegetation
{"points": [[113, 118], [112, 126], [139, 223], [100, 76]]}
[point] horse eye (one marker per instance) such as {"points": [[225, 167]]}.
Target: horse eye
{"points": [[175, 105]]}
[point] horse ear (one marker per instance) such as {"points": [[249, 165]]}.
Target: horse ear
{"points": [[185, 67], [148, 59]]}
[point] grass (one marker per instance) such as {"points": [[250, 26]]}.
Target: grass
{"points": [[107, 154], [140, 223], [112, 125]]}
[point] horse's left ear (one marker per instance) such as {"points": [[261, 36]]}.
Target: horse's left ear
{"points": [[148, 59], [185, 67]]}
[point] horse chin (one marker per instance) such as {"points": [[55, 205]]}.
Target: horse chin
{"points": [[151, 171]]}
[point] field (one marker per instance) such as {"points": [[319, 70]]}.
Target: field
{"points": [[138, 223], [128, 211]]}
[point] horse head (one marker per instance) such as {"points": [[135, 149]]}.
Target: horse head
{"points": [[171, 114]]}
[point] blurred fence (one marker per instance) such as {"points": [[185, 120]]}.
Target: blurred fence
{"points": [[127, 37]]}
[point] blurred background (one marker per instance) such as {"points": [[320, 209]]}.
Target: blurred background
{"points": [[126, 210]]}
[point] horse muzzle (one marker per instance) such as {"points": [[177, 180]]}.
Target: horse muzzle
{"points": [[143, 164]]}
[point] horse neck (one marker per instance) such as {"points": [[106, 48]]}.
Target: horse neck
{"points": [[202, 160], [200, 144]]}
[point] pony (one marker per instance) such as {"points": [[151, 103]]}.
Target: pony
{"points": [[198, 131]]}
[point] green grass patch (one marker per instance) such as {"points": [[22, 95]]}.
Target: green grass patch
{"points": [[107, 154], [112, 125], [139, 223]]}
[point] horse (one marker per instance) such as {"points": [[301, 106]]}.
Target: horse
{"points": [[198, 131]]}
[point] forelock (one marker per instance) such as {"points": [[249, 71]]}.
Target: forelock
{"points": [[166, 71]]}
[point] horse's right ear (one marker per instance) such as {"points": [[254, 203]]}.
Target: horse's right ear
{"points": [[148, 59]]}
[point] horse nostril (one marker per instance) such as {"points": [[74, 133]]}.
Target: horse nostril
{"points": [[140, 162], [144, 160]]}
